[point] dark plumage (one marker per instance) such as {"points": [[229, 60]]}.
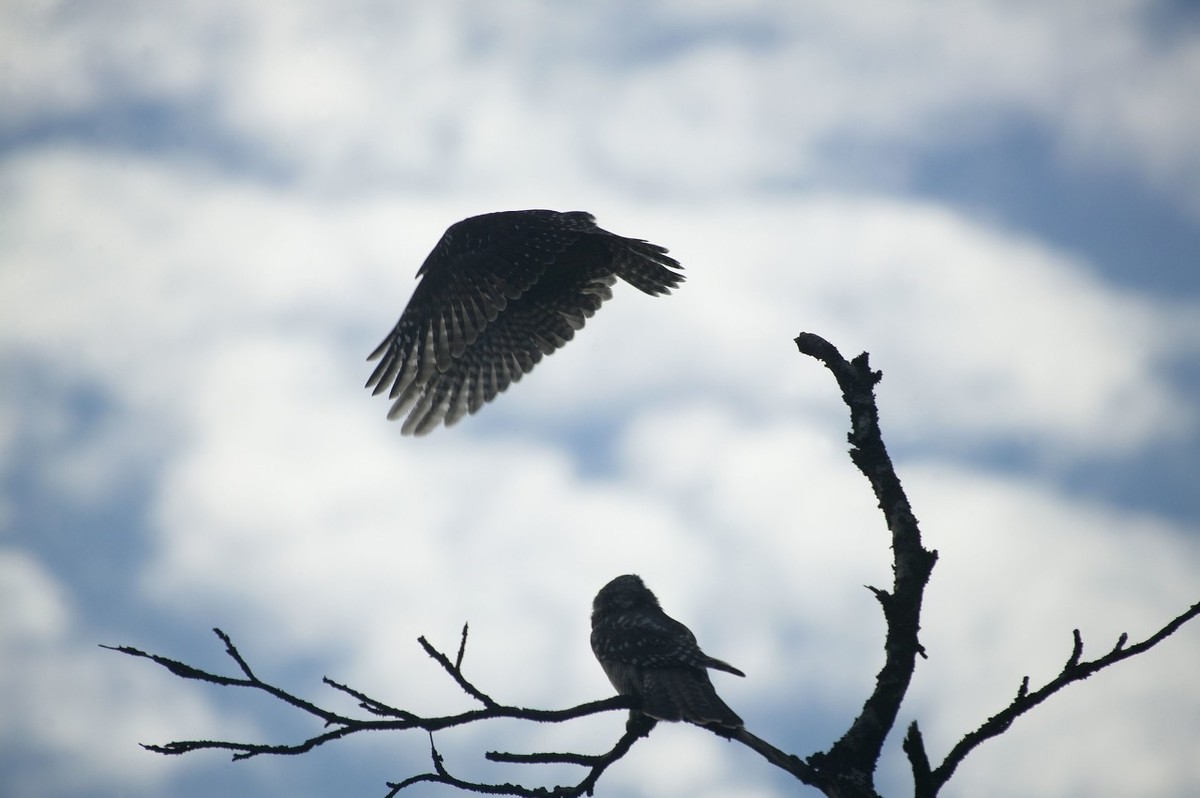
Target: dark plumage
{"points": [[497, 293], [647, 653]]}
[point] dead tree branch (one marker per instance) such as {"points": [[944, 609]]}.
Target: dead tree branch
{"points": [[393, 719], [846, 770], [848, 767], [929, 782]]}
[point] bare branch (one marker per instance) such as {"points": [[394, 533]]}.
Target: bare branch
{"points": [[856, 753], [397, 719], [251, 681], [1075, 670], [442, 776], [852, 760], [914, 749], [394, 719], [791, 763], [370, 704], [456, 672], [1076, 651], [846, 770], [639, 726], [462, 649]]}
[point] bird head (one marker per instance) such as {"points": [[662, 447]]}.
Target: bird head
{"points": [[627, 592]]}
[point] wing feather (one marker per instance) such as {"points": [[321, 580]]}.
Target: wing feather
{"points": [[496, 294]]}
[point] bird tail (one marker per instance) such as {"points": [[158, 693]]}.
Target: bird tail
{"points": [[686, 695], [721, 665]]}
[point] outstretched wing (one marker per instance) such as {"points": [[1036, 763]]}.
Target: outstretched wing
{"points": [[497, 293], [530, 327]]}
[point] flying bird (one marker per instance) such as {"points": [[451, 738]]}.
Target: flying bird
{"points": [[647, 653], [496, 294]]}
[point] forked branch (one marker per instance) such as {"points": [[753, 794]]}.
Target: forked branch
{"points": [[385, 717], [846, 770], [1076, 669], [849, 765]]}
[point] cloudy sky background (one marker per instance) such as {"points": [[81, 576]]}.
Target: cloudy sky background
{"points": [[210, 212]]}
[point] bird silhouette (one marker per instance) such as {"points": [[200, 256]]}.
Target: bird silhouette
{"points": [[648, 654], [497, 293]]}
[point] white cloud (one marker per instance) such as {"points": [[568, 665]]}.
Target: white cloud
{"points": [[464, 94], [67, 699], [982, 335], [245, 342], [223, 323], [1019, 569]]}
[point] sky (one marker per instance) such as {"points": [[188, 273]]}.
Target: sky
{"points": [[211, 212]]}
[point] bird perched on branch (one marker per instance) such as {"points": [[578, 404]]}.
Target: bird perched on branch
{"points": [[497, 293], [648, 654]]}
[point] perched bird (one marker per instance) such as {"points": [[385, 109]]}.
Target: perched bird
{"points": [[647, 653], [497, 293]]}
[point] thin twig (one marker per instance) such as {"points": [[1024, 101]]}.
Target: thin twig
{"points": [[462, 649], [1075, 670], [846, 770], [456, 673], [370, 704], [399, 720], [251, 681]]}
